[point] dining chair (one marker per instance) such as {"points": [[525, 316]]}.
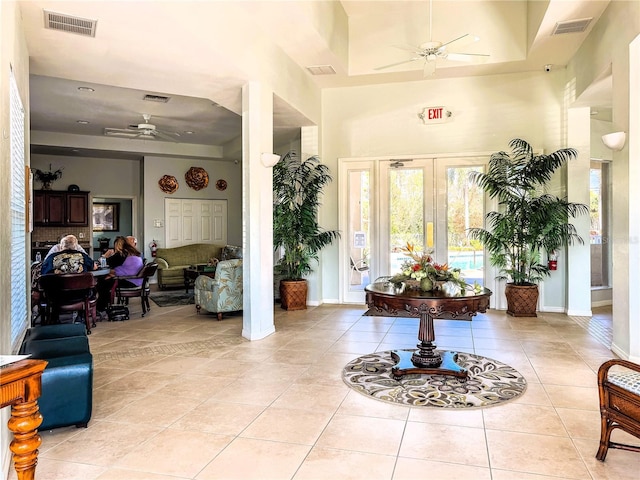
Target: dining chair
{"points": [[72, 292], [123, 293]]}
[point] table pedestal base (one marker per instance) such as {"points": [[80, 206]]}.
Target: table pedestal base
{"points": [[409, 362]]}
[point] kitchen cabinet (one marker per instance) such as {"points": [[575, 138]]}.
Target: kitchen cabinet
{"points": [[49, 208], [77, 209], [55, 208]]}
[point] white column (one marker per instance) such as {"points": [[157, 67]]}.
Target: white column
{"points": [[257, 208], [578, 170], [309, 147], [626, 247]]}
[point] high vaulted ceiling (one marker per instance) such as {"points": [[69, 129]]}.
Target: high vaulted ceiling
{"points": [[200, 53]]}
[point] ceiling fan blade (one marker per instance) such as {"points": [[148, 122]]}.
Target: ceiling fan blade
{"points": [[465, 39], [468, 57], [164, 136], [408, 48], [397, 63]]}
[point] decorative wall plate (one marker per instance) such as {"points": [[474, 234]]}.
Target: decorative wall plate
{"points": [[221, 184], [168, 184], [197, 178]]}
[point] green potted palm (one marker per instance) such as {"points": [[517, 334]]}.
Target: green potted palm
{"points": [[528, 223], [297, 187]]}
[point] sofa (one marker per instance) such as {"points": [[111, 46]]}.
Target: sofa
{"points": [[172, 261], [67, 380], [223, 292]]}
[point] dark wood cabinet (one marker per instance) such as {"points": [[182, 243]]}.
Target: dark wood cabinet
{"points": [[53, 208], [49, 208], [77, 209]]}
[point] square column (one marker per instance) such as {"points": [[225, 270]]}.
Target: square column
{"points": [[257, 212]]}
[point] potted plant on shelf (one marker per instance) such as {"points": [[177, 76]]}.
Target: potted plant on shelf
{"points": [[297, 187], [47, 178], [528, 223]]}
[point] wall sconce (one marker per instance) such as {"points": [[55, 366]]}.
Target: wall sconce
{"points": [[269, 159], [614, 141]]}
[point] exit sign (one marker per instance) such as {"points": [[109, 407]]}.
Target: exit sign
{"points": [[434, 115]]}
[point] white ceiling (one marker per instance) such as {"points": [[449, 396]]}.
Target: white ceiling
{"points": [[200, 53]]}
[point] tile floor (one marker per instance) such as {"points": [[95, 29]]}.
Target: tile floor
{"points": [[181, 396]]}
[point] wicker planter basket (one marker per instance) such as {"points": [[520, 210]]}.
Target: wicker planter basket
{"points": [[293, 294], [522, 300]]}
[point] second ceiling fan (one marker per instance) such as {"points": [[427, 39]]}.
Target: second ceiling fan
{"points": [[143, 131], [432, 50]]}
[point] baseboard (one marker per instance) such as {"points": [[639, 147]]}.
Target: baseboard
{"points": [[553, 310], [601, 303], [619, 352], [580, 313]]}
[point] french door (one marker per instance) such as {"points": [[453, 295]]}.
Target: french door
{"points": [[428, 202]]}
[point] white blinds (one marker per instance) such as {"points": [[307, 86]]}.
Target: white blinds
{"points": [[18, 256]]}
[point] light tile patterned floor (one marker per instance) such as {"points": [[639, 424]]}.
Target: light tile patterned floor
{"points": [[180, 396]]}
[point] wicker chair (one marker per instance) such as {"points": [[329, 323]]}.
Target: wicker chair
{"points": [[619, 403]]}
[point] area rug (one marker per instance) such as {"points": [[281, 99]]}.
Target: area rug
{"points": [[489, 382], [170, 299]]}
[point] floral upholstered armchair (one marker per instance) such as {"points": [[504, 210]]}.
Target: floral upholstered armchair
{"points": [[223, 292]]}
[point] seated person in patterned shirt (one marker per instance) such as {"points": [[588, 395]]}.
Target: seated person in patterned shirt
{"points": [[69, 259], [56, 248]]}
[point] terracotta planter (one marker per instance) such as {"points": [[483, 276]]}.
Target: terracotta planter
{"points": [[293, 294], [522, 300]]}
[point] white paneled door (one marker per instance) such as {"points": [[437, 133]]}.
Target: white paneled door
{"points": [[195, 221]]}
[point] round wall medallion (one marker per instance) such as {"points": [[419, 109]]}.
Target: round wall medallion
{"points": [[168, 184], [221, 184], [197, 178]]}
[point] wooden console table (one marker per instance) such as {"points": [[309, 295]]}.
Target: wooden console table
{"points": [[386, 298], [20, 387]]}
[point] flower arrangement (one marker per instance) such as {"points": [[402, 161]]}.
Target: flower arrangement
{"points": [[47, 177], [421, 268]]}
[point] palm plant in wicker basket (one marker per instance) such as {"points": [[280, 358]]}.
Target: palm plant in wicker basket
{"points": [[297, 188], [529, 222]]}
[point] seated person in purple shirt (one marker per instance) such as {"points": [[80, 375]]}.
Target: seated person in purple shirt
{"points": [[68, 259], [115, 256], [131, 265]]}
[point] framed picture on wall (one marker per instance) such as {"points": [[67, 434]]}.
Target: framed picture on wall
{"points": [[105, 217]]}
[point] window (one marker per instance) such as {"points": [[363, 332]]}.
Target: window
{"points": [[18, 254], [599, 229]]}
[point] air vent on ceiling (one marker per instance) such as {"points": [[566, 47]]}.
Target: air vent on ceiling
{"points": [[156, 98], [571, 26], [321, 70], [69, 23]]}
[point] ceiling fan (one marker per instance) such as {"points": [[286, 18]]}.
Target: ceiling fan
{"points": [[144, 131], [432, 50]]}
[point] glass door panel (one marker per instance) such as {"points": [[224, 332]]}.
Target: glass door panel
{"points": [[464, 210], [406, 213], [359, 235]]}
